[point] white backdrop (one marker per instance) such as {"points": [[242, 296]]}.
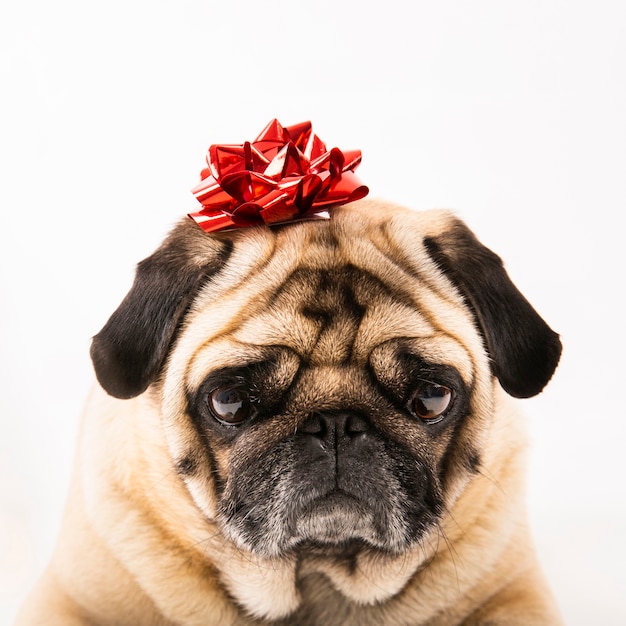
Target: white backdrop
{"points": [[511, 113]]}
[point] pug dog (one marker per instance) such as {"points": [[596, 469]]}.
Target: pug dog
{"points": [[312, 425]]}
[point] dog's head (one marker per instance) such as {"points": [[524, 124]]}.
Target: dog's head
{"points": [[326, 386]]}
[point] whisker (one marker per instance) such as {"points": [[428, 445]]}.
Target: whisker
{"points": [[454, 555]]}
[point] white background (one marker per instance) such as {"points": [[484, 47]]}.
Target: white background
{"points": [[511, 113]]}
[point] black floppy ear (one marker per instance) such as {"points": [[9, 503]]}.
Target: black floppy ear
{"points": [[130, 350], [524, 350]]}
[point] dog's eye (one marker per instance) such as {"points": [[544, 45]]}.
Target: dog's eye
{"points": [[231, 405], [431, 402]]}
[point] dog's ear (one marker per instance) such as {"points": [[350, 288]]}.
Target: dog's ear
{"points": [[524, 350], [130, 350]]}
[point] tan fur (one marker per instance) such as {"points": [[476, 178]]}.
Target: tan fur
{"points": [[141, 545]]}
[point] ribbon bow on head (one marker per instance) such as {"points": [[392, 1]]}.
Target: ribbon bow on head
{"points": [[285, 174]]}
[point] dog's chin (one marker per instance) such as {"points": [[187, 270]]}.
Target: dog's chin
{"points": [[337, 551], [336, 519]]}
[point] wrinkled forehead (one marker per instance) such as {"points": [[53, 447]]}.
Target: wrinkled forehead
{"points": [[330, 300], [334, 316]]}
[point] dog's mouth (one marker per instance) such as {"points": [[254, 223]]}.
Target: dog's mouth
{"points": [[330, 509], [337, 520], [335, 498], [286, 506]]}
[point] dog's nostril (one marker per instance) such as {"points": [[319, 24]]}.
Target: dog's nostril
{"points": [[334, 426], [313, 426], [355, 425]]}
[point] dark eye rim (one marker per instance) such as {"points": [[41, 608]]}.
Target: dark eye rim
{"points": [[440, 417]]}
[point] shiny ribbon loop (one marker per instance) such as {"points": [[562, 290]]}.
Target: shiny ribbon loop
{"points": [[285, 174]]}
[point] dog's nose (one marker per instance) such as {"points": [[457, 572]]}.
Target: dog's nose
{"points": [[332, 429]]}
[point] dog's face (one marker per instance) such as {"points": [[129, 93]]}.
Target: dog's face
{"points": [[326, 386]]}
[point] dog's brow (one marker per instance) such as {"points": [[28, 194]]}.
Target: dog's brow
{"points": [[336, 315], [334, 303]]}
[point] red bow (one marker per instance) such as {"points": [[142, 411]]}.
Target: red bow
{"points": [[285, 174]]}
